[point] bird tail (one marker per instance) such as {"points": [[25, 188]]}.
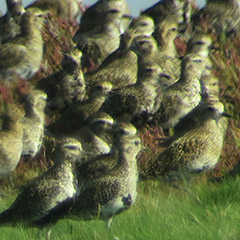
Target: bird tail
{"points": [[6, 218]]}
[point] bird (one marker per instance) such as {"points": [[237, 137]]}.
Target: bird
{"points": [[98, 43], [165, 8], [33, 122], [96, 135], [210, 86], [109, 70], [11, 139], [141, 25], [67, 85], [68, 9], [10, 23], [199, 45], [47, 198], [196, 150], [165, 33], [123, 56], [80, 112], [183, 96], [223, 15], [23, 54], [105, 195], [137, 101], [94, 15], [148, 52]]}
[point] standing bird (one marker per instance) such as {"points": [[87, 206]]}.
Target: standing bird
{"points": [[223, 15], [198, 149], [123, 56], [148, 53], [11, 140], [137, 101], [49, 197], [10, 23], [67, 9], [165, 33], [183, 96], [80, 112], [98, 43], [94, 16], [106, 194], [164, 9], [67, 85], [96, 136], [23, 54], [33, 122]]}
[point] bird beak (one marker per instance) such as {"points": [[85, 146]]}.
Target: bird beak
{"points": [[226, 115]]}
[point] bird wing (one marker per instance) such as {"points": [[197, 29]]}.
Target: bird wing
{"points": [[11, 54]]}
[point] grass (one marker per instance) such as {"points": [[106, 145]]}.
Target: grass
{"points": [[205, 210]]}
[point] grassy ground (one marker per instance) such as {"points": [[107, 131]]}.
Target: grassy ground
{"points": [[203, 211]]}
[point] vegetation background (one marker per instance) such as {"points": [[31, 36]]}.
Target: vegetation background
{"points": [[207, 209]]}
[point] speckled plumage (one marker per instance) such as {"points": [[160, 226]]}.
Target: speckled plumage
{"points": [[148, 53], [67, 85], [23, 54], [11, 140], [78, 113], [10, 23], [110, 192], [33, 122], [93, 16], [180, 98], [198, 149], [98, 43], [47, 198], [140, 100], [96, 136], [66, 9], [222, 14]]}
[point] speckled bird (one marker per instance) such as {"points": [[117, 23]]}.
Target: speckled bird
{"points": [[23, 54], [49, 197], [33, 122], [11, 139], [197, 150], [111, 192], [10, 23]]}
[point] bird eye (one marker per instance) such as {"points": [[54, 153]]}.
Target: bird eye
{"points": [[141, 42], [137, 142], [143, 24], [165, 76], [149, 69], [99, 87], [72, 147], [173, 29], [211, 109], [199, 43]]}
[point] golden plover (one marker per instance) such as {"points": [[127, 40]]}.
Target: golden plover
{"points": [[78, 113], [11, 140], [10, 23], [47, 198], [97, 44], [33, 122], [111, 192], [148, 53], [94, 15], [198, 149], [140, 100], [67, 9], [23, 54], [96, 136], [67, 85], [180, 98]]}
